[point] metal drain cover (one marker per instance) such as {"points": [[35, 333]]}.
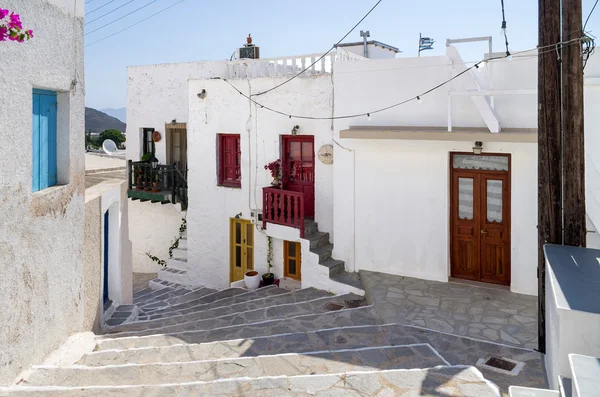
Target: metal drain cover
{"points": [[332, 307], [500, 363], [355, 303]]}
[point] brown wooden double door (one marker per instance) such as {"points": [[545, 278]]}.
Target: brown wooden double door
{"points": [[480, 218]]}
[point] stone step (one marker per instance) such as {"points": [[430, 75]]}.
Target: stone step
{"points": [[161, 309], [180, 253], [167, 293], [193, 295], [142, 292], [153, 294], [183, 243], [197, 303], [177, 263], [518, 391], [310, 227], [341, 318], [261, 300], [312, 363], [173, 275], [459, 381], [334, 266], [318, 239], [324, 252], [249, 316], [230, 297], [456, 350], [349, 278]]}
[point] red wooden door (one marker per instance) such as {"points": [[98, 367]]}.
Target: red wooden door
{"points": [[480, 221], [299, 169]]}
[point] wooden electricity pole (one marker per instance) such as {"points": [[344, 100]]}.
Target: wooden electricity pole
{"points": [[573, 137], [549, 147]]}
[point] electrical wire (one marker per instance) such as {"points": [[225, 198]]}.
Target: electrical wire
{"points": [[110, 12], [124, 16], [322, 56], [89, 1], [416, 97], [102, 6], [590, 14], [137, 23]]}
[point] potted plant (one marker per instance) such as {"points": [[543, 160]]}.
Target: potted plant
{"points": [[269, 277], [274, 168], [139, 173], [252, 280], [156, 183]]}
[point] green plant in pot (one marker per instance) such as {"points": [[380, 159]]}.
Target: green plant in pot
{"points": [[156, 182], [269, 277]]}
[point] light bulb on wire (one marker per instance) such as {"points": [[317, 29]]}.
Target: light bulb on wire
{"points": [[503, 30], [419, 100], [509, 56], [368, 116]]}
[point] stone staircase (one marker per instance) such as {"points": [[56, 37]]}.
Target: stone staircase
{"points": [[177, 266], [335, 269], [269, 342]]}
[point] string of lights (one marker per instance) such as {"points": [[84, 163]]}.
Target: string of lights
{"points": [[110, 12], [418, 98], [322, 56], [102, 6], [137, 23], [124, 16]]}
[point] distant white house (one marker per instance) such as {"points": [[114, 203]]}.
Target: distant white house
{"points": [[437, 188]]}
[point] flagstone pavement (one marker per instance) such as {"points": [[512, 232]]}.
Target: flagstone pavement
{"points": [[479, 312]]}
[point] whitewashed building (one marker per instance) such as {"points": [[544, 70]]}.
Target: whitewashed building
{"points": [[439, 188]]}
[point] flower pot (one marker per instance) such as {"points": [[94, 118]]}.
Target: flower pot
{"points": [[155, 187], [268, 279], [252, 280]]}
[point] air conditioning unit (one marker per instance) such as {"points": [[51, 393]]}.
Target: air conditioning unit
{"points": [[250, 52]]}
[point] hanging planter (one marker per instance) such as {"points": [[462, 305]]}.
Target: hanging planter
{"points": [[156, 137]]}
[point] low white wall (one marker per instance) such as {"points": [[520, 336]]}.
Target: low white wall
{"points": [[400, 197], [153, 227]]}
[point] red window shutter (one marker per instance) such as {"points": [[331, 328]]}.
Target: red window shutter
{"points": [[230, 173]]}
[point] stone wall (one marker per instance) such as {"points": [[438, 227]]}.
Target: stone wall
{"points": [[41, 234]]}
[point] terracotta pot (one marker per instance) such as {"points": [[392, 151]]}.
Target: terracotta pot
{"points": [[252, 280], [155, 187]]}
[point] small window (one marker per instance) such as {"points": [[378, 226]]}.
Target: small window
{"points": [[44, 126], [230, 156], [148, 142]]}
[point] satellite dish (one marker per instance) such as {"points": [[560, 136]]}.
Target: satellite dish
{"points": [[109, 147]]}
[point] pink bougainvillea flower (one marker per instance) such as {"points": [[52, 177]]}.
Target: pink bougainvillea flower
{"points": [[3, 33], [15, 21], [29, 33], [3, 13]]}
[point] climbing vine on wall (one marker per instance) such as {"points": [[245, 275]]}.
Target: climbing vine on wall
{"points": [[173, 246]]}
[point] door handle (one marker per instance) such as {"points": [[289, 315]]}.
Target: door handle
{"points": [[483, 232]]}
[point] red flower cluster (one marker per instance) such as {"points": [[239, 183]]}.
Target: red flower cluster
{"points": [[274, 168]]}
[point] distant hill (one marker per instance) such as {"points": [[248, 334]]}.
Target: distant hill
{"points": [[97, 121], [120, 113]]}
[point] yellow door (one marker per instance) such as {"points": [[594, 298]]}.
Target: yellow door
{"points": [[242, 248], [292, 260]]}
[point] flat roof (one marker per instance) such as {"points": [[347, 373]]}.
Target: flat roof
{"points": [[575, 275], [373, 42], [521, 135]]}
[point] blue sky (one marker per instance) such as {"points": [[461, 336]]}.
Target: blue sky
{"points": [[197, 30]]}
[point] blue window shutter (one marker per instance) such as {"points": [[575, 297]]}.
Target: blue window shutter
{"points": [[44, 139], [35, 166]]}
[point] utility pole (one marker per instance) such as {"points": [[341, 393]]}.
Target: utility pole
{"points": [[549, 148], [573, 136]]}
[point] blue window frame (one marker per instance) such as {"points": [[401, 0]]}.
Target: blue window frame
{"points": [[44, 172]]}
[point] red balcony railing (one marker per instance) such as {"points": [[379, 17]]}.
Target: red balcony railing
{"points": [[283, 207]]}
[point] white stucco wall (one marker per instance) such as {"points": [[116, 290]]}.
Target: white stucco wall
{"points": [[41, 243], [592, 142], [153, 227], [225, 111], [391, 197], [157, 94]]}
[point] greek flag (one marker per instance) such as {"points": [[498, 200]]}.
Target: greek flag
{"points": [[426, 43]]}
